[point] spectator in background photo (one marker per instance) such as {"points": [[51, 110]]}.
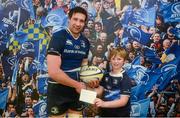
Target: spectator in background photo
{"points": [[90, 25], [1, 72], [136, 47], [10, 105], [102, 40], [48, 5], [85, 5], [166, 44], [30, 112], [88, 35], [59, 4], [98, 29]]}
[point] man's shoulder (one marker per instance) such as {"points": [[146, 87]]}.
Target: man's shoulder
{"points": [[84, 38], [62, 31]]}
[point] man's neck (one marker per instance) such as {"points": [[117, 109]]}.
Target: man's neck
{"points": [[75, 36]]}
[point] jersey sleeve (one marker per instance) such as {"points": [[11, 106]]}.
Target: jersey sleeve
{"points": [[126, 85], [88, 48], [56, 44], [103, 81]]}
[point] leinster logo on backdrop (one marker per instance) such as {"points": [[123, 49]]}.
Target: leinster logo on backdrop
{"points": [[25, 4], [168, 67], [11, 60], [53, 19], [28, 47], [146, 17], [141, 76], [135, 33], [56, 18], [135, 109], [176, 8]]}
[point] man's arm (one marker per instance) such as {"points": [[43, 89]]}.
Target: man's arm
{"points": [[54, 71], [84, 62]]}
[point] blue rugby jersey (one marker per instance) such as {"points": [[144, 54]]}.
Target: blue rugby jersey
{"points": [[72, 51], [114, 87]]}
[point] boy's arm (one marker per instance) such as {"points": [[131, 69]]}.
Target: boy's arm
{"points": [[112, 104]]}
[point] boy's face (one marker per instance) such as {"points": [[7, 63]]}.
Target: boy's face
{"points": [[117, 62]]}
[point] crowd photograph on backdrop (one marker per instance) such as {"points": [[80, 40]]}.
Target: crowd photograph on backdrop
{"points": [[89, 58]]}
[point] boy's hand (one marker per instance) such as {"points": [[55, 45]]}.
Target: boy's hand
{"points": [[99, 103]]}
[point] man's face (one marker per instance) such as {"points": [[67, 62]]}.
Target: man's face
{"points": [[136, 45], [85, 6], [86, 33], [28, 101], [103, 37], [90, 24], [77, 23], [156, 37]]}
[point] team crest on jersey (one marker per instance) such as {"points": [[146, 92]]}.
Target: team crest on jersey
{"points": [[108, 87], [77, 47], [69, 42], [83, 44], [106, 79], [115, 81]]}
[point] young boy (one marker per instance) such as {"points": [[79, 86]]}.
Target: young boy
{"points": [[117, 85]]}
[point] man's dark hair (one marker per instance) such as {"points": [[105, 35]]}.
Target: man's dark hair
{"points": [[78, 10]]}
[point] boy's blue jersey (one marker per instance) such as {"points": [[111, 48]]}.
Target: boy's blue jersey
{"points": [[114, 87], [72, 51]]}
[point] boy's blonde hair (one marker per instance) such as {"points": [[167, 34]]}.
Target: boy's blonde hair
{"points": [[118, 52]]}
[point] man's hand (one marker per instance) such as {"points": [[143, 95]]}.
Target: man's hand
{"points": [[93, 83], [81, 86]]}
